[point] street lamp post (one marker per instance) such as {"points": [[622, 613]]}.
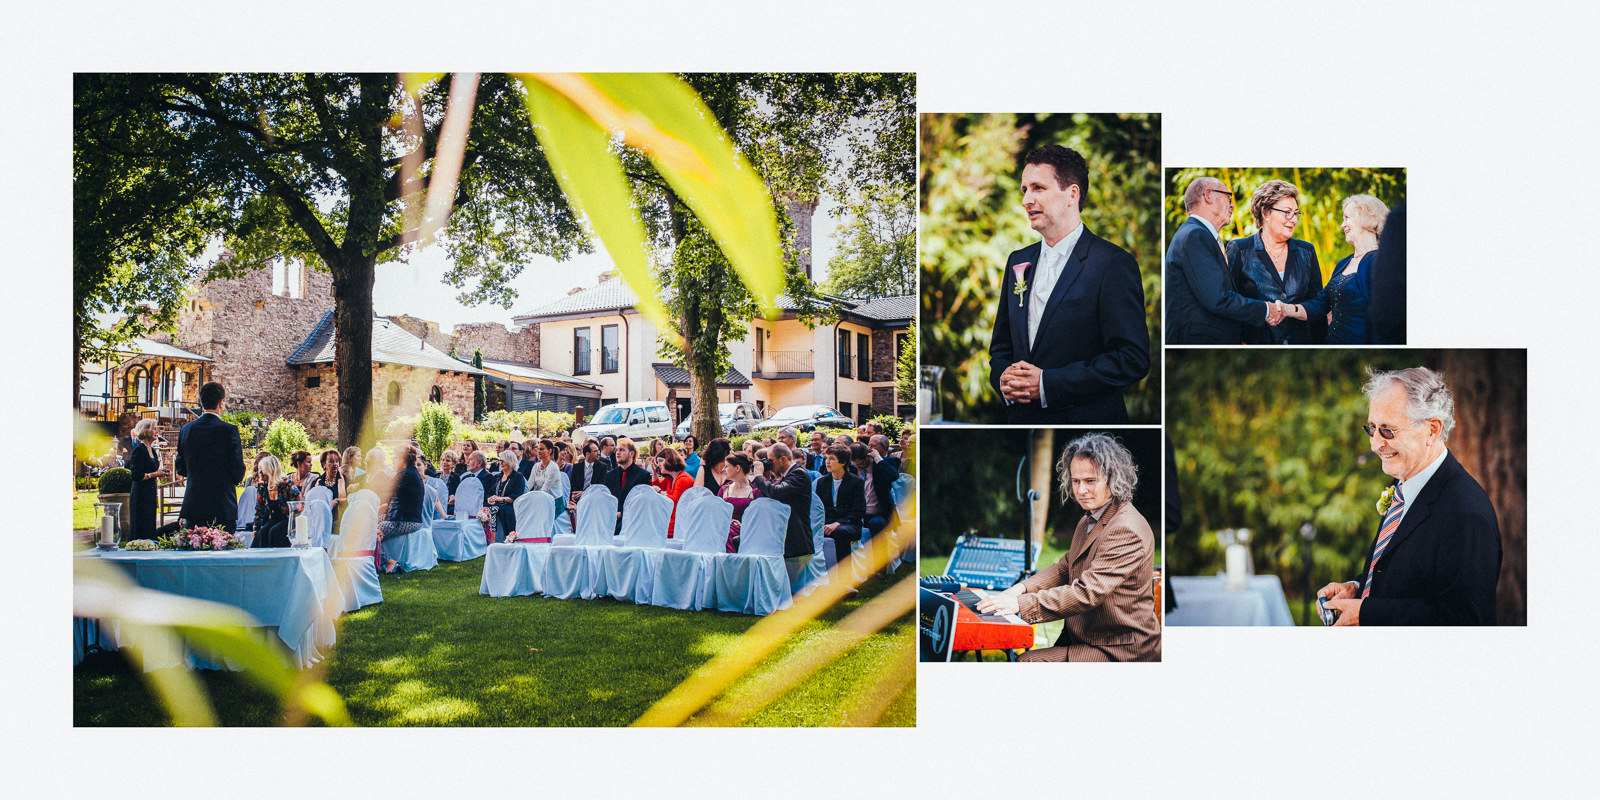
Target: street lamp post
{"points": [[538, 395]]}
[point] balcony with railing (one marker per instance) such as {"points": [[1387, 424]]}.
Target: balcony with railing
{"points": [[784, 365]]}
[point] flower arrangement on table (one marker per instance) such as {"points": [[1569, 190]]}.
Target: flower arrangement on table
{"points": [[140, 544], [200, 538]]}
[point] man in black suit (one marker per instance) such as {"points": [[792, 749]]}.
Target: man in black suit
{"points": [[1070, 332], [1203, 302], [844, 500], [477, 468], [211, 458], [876, 477], [1436, 557], [588, 472], [1388, 307], [626, 477], [608, 452], [790, 485]]}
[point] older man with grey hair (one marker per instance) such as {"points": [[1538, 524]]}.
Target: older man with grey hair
{"points": [[1104, 586], [1203, 304], [1435, 559]]}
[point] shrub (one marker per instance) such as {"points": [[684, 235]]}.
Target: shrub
{"points": [[892, 426], [116, 481], [284, 437], [249, 432], [400, 428], [436, 426]]}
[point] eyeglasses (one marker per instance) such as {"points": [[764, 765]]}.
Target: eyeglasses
{"points": [[1223, 192], [1294, 215], [1388, 432]]}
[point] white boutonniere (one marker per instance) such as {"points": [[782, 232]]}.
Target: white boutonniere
{"points": [[1386, 499]]}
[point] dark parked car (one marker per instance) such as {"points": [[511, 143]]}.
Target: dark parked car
{"points": [[806, 419]]}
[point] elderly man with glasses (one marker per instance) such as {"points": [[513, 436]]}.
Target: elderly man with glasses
{"points": [[1435, 558], [1203, 303]]}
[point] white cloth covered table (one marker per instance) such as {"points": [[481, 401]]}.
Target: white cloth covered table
{"points": [[574, 570], [629, 571], [291, 592], [756, 580], [684, 578]]}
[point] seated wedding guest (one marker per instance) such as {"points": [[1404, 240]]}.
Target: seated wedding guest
{"points": [[274, 492], [1345, 300], [428, 470], [678, 481], [335, 478], [750, 447], [255, 466], [422, 470], [352, 466], [908, 459], [1273, 266], [467, 448], [524, 451], [379, 477], [544, 475], [844, 501], [300, 462], [879, 445], [586, 473], [691, 455], [1102, 587], [145, 464], [451, 477], [608, 452], [564, 457], [508, 486], [878, 477], [626, 477], [712, 473], [790, 484], [408, 511], [816, 455], [738, 491]]}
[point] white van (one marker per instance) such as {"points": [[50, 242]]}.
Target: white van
{"points": [[647, 419]]}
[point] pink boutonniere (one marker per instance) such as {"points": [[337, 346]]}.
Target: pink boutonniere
{"points": [[1021, 289]]}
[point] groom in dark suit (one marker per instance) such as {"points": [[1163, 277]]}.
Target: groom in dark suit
{"points": [[1436, 557], [1203, 303], [211, 457], [1070, 332]]}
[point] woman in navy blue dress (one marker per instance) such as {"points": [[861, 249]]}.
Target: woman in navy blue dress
{"points": [[146, 468], [508, 486], [1273, 266], [1345, 301]]}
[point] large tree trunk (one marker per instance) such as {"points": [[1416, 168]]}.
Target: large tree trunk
{"points": [[77, 359], [1491, 442], [352, 354]]}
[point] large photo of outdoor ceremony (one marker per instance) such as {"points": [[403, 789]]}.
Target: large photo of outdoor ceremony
{"points": [[1366, 487], [494, 399]]}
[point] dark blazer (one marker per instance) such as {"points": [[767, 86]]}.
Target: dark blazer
{"points": [[1092, 341], [852, 506], [525, 466], [883, 477], [1203, 303], [1442, 564], [1349, 301], [142, 497], [408, 503], [621, 481], [794, 491], [515, 487], [600, 472], [211, 457], [1258, 279], [1389, 281]]}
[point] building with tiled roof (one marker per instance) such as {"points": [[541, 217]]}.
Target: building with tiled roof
{"points": [[597, 333]]}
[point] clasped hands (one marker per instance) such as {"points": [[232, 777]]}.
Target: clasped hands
{"points": [[1276, 311], [1020, 382]]}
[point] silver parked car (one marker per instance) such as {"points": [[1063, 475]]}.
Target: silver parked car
{"points": [[733, 419]]}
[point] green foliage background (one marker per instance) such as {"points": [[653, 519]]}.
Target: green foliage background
{"points": [[971, 220], [1260, 438], [968, 482], [284, 437], [1322, 193]]}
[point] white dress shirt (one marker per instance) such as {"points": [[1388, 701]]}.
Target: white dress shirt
{"points": [[1052, 261]]}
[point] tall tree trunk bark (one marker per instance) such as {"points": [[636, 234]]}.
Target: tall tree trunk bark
{"points": [[352, 311], [77, 359], [1491, 442]]}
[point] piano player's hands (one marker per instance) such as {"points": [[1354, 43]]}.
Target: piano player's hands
{"points": [[1002, 603]]}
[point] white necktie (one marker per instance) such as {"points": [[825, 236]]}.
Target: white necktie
{"points": [[1044, 281]]}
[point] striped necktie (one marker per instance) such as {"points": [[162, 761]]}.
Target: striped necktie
{"points": [[1391, 522]]}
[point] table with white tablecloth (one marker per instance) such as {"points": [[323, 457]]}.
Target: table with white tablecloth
{"points": [[1207, 600], [292, 594]]}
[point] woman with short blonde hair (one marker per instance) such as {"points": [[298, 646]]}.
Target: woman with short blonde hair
{"points": [[145, 465], [1345, 301]]}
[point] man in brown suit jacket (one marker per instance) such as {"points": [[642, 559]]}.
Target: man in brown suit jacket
{"points": [[1102, 586]]}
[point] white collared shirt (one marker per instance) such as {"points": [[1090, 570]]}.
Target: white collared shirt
{"points": [[1409, 489], [1045, 275]]}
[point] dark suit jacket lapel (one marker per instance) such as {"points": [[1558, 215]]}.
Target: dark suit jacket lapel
{"points": [[1070, 271], [1019, 316], [1419, 511]]}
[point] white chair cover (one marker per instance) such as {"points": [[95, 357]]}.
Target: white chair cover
{"points": [[518, 568], [319, 517], [815, 572], [322, 493], [247, 508], [635, 499], [904, 493], [755, 580], [461, 538], [413, 552], [684, 578], [692, 493], [363, 496], [575, 571], [352, 560], [630, 570], [564, 535]]}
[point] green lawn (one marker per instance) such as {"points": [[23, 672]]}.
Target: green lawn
{"points": [[435, 652], [83, 517]]}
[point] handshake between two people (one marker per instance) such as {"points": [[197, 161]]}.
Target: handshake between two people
{"points": [[1277, 311]]}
